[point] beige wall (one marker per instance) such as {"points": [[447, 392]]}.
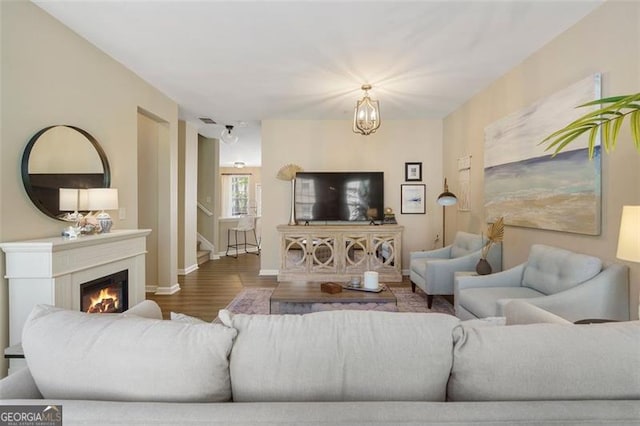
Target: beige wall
{"points": [[148, 192], [187, 196], [607, 41], [208, 154], [52, 76], [330, 145]]}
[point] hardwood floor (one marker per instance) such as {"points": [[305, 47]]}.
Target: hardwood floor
{"points": [[214, 285], [205, 291]]}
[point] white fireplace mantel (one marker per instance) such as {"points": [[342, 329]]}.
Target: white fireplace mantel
{"points": [[51, 270]]}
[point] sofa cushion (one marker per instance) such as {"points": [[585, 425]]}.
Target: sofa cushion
{"points": [[465, 243], [19, 385], [484, 301], [546, 362], [74, 355], [177, 316], [551, 269], [341, 356], [418, 265], [522, 312]]}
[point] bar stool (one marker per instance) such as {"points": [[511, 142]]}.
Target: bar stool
{"points": [[245, 224]]}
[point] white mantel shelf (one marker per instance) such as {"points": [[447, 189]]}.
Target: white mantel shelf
{"points": [[69, 254], [51, 270]]}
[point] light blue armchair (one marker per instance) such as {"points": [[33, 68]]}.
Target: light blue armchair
{"points": [[570, 285], [433, 270]]}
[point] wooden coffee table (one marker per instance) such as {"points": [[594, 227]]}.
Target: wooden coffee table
{"points": [[303, 297]]}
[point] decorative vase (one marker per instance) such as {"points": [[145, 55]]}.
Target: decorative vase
{"points": [[483, 267], [292, 219]]}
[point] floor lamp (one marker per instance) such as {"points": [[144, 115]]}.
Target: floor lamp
{"points": [[446, 199]]}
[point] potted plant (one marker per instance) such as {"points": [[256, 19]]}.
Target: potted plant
{"points": [[608, 118], [495, 234]]}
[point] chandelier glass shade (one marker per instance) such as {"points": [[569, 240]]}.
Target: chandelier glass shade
{"points": [[227, 137], [366, 115]]}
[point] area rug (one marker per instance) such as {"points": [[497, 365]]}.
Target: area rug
{"points": [[256, 301]]}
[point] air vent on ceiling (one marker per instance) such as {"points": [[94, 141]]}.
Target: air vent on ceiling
{"points": [[207, 120]]}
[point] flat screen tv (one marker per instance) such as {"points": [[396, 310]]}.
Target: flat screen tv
{"points": [[339, 196]]}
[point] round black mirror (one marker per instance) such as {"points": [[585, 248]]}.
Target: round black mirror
{"points": [[62, 157]]}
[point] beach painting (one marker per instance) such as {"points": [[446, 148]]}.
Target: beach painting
{"points": [[529, 188]]}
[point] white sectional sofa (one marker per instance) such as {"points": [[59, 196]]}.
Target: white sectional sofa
{"points": [[338, 367]]}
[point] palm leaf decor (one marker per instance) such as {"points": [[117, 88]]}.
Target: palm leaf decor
{"points": [[288, 172], [495, 234], [608, 118]]}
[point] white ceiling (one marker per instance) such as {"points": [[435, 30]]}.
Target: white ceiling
{"points": [[240, 62]]}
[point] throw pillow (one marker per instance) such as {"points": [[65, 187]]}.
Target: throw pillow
{"points": [[73, 355]]}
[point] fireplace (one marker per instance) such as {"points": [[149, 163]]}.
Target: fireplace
{"points": [[107, 294]]}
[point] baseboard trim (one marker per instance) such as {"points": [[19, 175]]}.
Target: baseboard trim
{"points": [[188, 270], [406, 272], [150, 288], [168, 290], [268, 272]]}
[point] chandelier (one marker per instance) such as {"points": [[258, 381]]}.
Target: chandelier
{"points": [[366, 116]]}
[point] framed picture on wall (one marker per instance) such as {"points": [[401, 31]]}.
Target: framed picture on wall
{"points": [[413, 172], [412, 198]]}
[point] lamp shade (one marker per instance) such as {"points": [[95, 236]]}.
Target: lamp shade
{"points": [[68, 199], [629, 238], [83, 200], [102, 199], [447, 198]]}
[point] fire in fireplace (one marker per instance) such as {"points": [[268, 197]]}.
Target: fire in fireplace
{"points": [[107, 294]]}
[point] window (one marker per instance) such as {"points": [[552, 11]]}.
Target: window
{"points": [[235, 194], [239, 194]]}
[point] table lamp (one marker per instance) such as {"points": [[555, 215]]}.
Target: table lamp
{"points": [[629, 238], [103, 199], [68, 199], [68, 202]]}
